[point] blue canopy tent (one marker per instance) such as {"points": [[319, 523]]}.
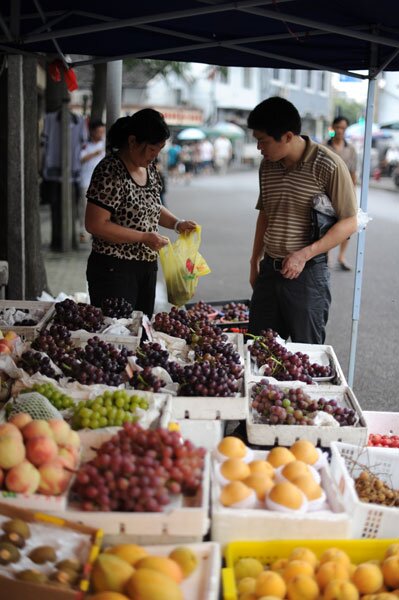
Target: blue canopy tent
{"points": [[299, 34]]}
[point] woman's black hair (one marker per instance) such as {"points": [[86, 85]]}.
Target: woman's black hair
{"points": [[147, 125]]}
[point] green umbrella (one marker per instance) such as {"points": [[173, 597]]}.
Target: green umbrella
{"points": [[230, 130]]}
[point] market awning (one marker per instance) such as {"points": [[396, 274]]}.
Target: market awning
{"points": [[334, 35]]}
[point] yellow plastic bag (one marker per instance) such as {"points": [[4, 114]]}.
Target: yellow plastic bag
{"points": [[182, 265]]}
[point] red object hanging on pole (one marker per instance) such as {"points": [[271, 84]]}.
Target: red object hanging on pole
{"points": [[56, 68]]}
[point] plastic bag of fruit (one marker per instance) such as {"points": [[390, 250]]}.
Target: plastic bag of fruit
{"points": [[182, 266]]}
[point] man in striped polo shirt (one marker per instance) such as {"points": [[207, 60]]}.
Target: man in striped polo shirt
{"points": [[289, 273]]}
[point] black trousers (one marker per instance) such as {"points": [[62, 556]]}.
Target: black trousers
{"points": [[111, 277], [295, 308]]}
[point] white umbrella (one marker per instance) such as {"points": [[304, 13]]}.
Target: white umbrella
{"points": [[191, 134]]}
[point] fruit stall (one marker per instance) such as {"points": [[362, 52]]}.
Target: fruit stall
{"points": [[180, 458]]}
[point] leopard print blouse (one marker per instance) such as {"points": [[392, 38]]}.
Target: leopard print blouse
{"points": [[131, 205]]}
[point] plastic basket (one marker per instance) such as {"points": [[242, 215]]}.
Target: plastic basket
{"points": [[368, 520], [28, 332], [267, 552]]}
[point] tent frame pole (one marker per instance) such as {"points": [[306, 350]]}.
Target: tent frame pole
{"points": [[361, 238]]}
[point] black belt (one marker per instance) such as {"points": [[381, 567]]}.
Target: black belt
{"points": [[277, 263]]}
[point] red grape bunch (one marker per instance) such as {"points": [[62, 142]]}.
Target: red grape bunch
{"points": [[34, 362], [219, 354], [78, 315], [117, 308], [274, 405], [235, 311], [203, 379], [282, 364], [139, 470], [146, 380], [201, 310]]}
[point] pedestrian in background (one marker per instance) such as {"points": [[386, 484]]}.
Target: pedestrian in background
{"points": [[223, 152], [289, 273], [173, 159], [124, 212], [206, 156], [90, 156], [347, 152]]}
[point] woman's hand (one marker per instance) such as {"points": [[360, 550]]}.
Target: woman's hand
{"points": [[155, 241], [186, 226]]}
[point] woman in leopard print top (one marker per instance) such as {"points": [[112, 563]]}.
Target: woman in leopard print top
{"points": [[124, 212]]}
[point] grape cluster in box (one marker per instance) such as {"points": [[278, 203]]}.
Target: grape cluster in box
{"points": [[268, 356], [283, 413]]}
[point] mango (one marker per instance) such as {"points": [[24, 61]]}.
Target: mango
{"points": [[147, 584], [185, 558], [162, 564], [110, 573], [131, 553]]}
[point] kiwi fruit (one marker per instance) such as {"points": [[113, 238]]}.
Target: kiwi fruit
{"points": [[65, 576], [69, 564], [17, 526], [32, 576], [43, 554], [8, 553], [13, 538]]}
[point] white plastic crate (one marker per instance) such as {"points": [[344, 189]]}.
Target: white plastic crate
{"points": [[347, 462], [43, 312], [183, 521], [204, 582], [385, 423], [318, 353], [211, 407], [203, 433], [285, 435], [230, 524]]}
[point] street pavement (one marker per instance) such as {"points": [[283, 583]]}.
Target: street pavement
{"points": [[224, 206]]}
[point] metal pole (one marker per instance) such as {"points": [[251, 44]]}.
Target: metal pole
{"points": [[361, 238], [114, 91], [66, 188]]}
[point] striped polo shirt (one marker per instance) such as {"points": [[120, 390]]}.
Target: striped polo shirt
{"points": [[286, 196]]}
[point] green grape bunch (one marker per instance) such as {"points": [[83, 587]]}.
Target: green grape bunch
{"points": [[110, 409], [57, 398]]}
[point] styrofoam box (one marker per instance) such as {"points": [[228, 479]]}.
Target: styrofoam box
{"points": [[35, 501], [347, 462], [184, 520], [43, 310], [385, 423], [129, 341], [229, 524], [204, 582], [285, 435], [203, 433], [318, 353], [211, 407]]}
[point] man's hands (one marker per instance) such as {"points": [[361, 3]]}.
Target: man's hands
{"points": [[155, 241], [293, 265]]}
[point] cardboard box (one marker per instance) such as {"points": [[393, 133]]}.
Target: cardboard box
{"points": [[13, 589]]}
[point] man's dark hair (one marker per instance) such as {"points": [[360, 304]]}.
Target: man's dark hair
{"points": [[95, 123], [339, 119], [275, 116]]}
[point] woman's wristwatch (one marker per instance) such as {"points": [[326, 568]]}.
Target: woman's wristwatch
{"points": [[176, 227]]}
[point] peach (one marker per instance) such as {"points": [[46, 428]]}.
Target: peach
{"points": [[340, 590], [10, 429], [331, 570], [392, 550], [297, 567], [20, 420], [12, 451], [61, 430], [68, 456], [270, 583], [23, 479], [37, 428], [10, 338], [303, 553], [302, 587], [246, 585], [336, 555], [74, 439], [40, 450], [368, 578], [390, 571], [54, 478], [4, 348]]}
